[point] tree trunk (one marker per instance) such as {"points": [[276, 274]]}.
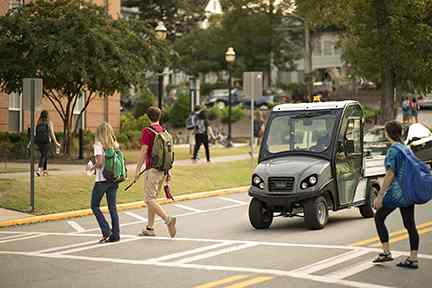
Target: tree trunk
{"points": [[387, 97]]}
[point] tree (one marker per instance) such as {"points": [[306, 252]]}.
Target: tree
{"points": [[255, 30], [386, 41], [77, 49], [179, 16]]}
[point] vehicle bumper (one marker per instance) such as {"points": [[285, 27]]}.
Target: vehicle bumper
{"points": [[281, 199]]}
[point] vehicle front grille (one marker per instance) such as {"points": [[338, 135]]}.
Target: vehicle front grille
{"points": [[281, 184]]}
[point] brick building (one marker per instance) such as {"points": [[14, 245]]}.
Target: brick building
{"points": [[14, 119]]}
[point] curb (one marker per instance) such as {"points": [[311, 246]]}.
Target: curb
{"points": [[120, 207]]}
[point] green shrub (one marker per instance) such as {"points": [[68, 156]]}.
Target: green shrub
{"points": [[145, 100], [179, 112], [130, 130], [214, 113], [236, 115], [369, 113]]}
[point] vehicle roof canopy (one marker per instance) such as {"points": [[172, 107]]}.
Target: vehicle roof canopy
{"points": [[314, 106]]}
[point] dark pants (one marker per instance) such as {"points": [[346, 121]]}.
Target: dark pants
{"points": [[201, 139], [43, 160], [408, 221], [99, 189]]}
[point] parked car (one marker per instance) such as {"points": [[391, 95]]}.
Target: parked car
{"points": [[220, 97], [416, 135], [261, 102], [425, 102]]}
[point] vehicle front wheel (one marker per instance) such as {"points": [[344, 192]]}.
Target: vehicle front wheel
{"points": [[260, 216], [367, 210], [315, 213]]}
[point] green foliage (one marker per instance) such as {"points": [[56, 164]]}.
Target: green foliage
{"points": [[179, 111], [144, 101], [130, 130], [214, 113], [237, 114], [77, 49], [369, 113]]}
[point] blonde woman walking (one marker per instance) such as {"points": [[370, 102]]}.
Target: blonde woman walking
{"points": [[105, 139]]}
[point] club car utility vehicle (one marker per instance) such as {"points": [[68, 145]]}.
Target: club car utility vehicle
{"points": [[311, 160]]}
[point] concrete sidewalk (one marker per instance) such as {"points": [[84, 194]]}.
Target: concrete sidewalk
{"points": [[6, 214], [73, 169]]}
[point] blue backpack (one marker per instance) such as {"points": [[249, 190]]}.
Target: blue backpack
{"points": [[417, 183]]}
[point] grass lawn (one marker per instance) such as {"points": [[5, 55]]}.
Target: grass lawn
{"points": [[66, 193], [182, 153]]}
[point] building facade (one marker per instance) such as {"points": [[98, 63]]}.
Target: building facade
{"points": [[13, 118]]}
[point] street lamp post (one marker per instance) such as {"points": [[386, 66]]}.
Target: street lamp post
{"points": [[161, 33], [229, 58]]}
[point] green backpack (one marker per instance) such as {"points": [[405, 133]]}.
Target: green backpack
{"points": [[162, 155], [114, 166]]}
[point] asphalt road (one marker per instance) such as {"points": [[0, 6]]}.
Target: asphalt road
{"points": [[215, 247]]}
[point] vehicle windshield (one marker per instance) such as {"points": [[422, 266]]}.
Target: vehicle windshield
{"points": [[301, 131]]}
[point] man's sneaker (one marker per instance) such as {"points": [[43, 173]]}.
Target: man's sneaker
{"points": [[147, 233], [171, 224]]}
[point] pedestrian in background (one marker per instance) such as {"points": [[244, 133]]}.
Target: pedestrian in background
{"points": [[190, 126], [105, 138], [153, 178], [43, 138], [201, 135], [414, 110], [389, 194], [406, 110], [258, 127]]}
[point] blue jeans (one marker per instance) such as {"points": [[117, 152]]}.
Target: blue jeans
{"points": [[99, 189]]}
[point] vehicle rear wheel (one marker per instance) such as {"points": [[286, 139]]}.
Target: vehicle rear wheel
{"points": [[315, 213], [259, 215], [367, 210]]}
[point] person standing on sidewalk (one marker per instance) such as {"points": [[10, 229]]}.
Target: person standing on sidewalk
{"points": [[153, 178], [389, 194], [105, 139], [190, 126], [43, 138], [201, 135]]}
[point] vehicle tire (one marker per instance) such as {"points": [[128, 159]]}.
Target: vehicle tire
{"points": [[259, 216], [367, 210], [316, 213]]}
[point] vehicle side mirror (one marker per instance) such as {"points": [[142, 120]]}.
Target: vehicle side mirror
{"points": [[349, 146]]}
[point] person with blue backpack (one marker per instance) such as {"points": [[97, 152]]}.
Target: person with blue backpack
{"points": [[393, 194]]}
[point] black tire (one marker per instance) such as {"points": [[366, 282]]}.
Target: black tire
{"points": [[259, 216], [367, 210], [316, 213]]}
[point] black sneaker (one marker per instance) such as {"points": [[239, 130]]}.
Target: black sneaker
{"points": [[110, 239], [383, 257]]}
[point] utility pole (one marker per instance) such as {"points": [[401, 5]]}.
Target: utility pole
{"points": [[308, 61]]}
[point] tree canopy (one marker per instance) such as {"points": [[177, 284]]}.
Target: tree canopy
{"points": [[76, 48]]}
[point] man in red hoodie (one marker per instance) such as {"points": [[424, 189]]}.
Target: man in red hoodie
{"points": [[153, 178]]}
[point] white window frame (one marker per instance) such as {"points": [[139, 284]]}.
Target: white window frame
{"points": [[15, 105], [15, 3]]}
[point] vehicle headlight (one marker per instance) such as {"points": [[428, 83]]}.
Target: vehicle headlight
{"points": [[309, 182], [257, 181]]}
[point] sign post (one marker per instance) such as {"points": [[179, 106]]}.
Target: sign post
{"points": [[32, 92], [253, 88]]}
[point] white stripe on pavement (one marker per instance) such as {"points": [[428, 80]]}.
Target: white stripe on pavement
{"points": [[97, 246], [189, 252], [215, 253], [15, 236], [22, 238], [188, 208], [76, 226], [233, 200], [64, 247], [350, 271], [136, 216], [329, 262]]}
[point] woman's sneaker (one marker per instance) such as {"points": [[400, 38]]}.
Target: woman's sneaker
{"points": [[383, 257]]}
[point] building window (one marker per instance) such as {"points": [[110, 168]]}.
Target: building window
{"points": [[316, 49], [77, 110], [15, 3], [15, 112]]}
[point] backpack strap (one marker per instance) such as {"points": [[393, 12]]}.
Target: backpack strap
{"points": [[152, 130]]}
